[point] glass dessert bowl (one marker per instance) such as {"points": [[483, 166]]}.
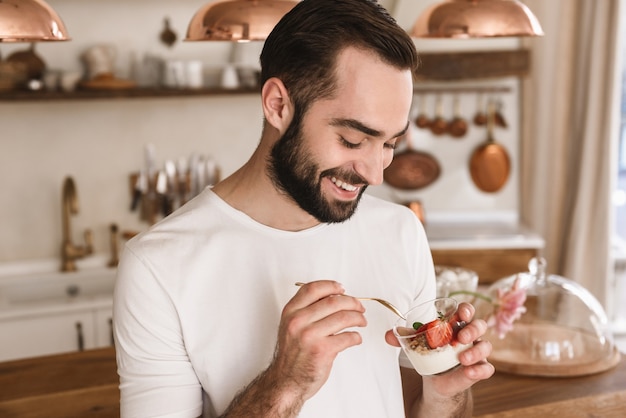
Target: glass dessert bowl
{"points": [[564, 331], [428, 336]]}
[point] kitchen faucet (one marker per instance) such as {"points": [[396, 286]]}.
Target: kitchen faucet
{"points": [[69, 251]]}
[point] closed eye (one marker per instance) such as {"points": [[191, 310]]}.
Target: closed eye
{"points": [[349, 144]]}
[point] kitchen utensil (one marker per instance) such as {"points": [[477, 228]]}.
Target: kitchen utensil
{"points": [[383, 302], [422, 120], [99, 60], [162, 194], [457, 127], [33, 65], [172, 183], [140, 187], [489, 164], [480, 118], [499, 116], [167, 35], [182, 172], [439, 125], [412, 169]]}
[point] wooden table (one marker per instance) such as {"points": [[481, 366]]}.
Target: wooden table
{"points": [[85, 385], [601, 395], [75, 385]]}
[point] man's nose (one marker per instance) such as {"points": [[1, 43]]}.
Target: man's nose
{"points": [[372, 164]]}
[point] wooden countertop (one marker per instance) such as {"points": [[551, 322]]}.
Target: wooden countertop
{"points": [[601, 395], [85, 384], [82, 384]]}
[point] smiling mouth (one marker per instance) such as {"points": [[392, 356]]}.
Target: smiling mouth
{"points": [[345, 186]]}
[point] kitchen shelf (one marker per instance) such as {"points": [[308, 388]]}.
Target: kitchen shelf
{"points": [[435, 67], [459, 66], [82, 94]]}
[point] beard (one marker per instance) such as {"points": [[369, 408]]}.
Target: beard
{"points": [[294, 171]]}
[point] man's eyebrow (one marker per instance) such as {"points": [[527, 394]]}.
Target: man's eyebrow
{"points": [[359, 126]]}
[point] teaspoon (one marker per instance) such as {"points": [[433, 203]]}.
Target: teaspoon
{"points": [[383, 302]]}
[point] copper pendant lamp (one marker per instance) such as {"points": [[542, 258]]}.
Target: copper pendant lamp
{"points": [[30, 21], [237, 20], [476, 19]]}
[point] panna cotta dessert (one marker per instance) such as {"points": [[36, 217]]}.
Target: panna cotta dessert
{"points": [[429, 336], [433, 361]]}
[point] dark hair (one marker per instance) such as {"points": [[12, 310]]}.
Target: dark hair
{"points": [[303, 46]]}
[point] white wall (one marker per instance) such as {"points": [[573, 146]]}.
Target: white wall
{"points": [[99, 142]]}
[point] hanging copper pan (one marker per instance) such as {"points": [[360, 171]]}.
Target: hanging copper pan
{"points": [[490, 165], [412, 169]]}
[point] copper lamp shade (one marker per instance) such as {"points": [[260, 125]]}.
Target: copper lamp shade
{"points": [[477, 19], [30, 21], [237, 20]]}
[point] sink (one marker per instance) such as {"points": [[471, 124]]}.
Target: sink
{"points": [[55, 287]]}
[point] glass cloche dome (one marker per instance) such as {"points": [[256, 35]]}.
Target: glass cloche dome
{"points": [[564, 331]]}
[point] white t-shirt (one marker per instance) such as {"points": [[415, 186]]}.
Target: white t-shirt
{"points": [[198, 300]]}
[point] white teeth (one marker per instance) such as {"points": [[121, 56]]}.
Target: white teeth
{"points": [[343, 185]]}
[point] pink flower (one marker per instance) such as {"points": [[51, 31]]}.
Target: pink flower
{"points": [[508, 307]]}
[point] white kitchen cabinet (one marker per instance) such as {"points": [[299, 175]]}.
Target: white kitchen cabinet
{"points": [[44, 312], [50, 328], [103, 318], [38, 335]]}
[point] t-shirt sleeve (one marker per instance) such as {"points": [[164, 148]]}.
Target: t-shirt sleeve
{"points": [[156, 375]]}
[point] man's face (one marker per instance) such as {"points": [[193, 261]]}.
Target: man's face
{"points": [[327, 158], [296, 172]]}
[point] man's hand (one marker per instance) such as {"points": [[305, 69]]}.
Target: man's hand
{"points": [[447, 394], [311, 333]]}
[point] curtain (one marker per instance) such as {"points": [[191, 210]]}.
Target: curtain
{"points": [[570, 129]]}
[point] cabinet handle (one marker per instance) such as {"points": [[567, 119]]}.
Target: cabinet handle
{"points": [[79, 336], [112, 341]]}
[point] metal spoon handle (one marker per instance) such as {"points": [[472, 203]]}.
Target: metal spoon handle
{"points": [[383, 302]]}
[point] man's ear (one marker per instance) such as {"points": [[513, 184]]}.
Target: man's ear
{"points": [[277, 106]]}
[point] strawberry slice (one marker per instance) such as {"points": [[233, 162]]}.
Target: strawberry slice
{"points": [[438, 333]]}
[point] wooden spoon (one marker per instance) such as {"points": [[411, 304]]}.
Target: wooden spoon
{"points": [[490, 165]]}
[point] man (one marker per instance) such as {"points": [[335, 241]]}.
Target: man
{"points": [[207, 317]]}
